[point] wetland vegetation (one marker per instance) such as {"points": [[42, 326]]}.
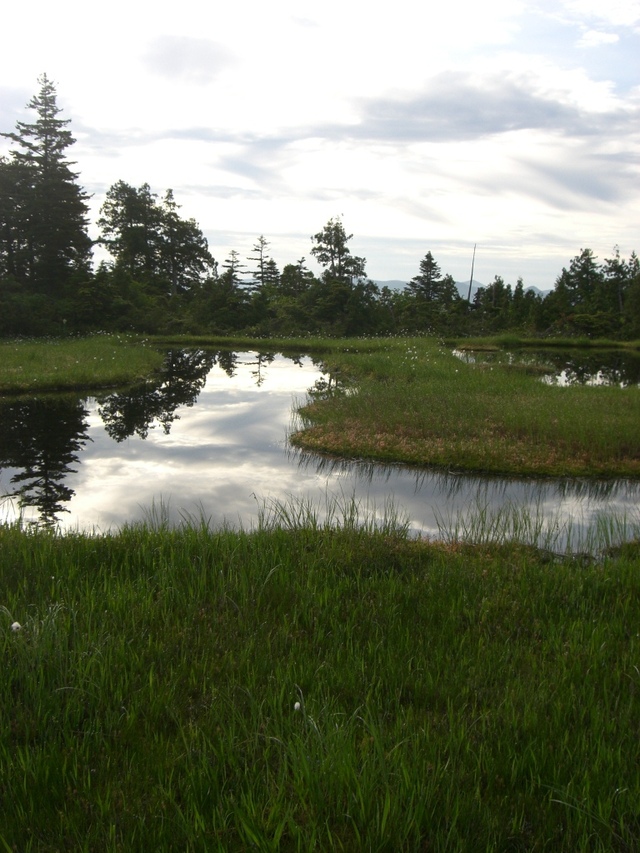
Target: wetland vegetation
{"points": [[327, 684], [69, 364], [311, 687], [407, 400], [312, 684], [418, 404]]}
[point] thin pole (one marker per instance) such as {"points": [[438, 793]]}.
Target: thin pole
{"points": [[473, 261]]}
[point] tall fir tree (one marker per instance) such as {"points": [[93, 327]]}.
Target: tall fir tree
{"points": [[431, 285], [48, 211]]}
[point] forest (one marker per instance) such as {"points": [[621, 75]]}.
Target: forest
{"points": [[161, 276]]}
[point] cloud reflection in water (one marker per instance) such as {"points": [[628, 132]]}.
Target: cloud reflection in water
{"points": [[216, 446]]}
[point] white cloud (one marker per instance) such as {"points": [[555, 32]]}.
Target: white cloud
{"points": [[194, 60], [594, 38], [624, 13], [427, 127]]}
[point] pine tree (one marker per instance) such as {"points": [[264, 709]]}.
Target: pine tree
{"points": [[331, 251], [48, 214], [615, 280], [261, 258], [15, 215], [584, 281], [426, 283], [184, 252], [431, 285], [234, 271]]}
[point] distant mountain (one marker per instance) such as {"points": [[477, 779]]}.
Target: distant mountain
{"points": [[392, 284], [537, 291], [463, 287]]}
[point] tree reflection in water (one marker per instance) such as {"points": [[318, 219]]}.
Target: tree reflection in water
{"points": [[567, 367], [41, 437], [234, 452], [179, 383], [615, 367]]}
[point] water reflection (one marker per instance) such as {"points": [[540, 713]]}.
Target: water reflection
{"points": [[566, 367], [41, 438], [247, 397], [208, 437], [181, 379], [615, 367], [438, 503]]}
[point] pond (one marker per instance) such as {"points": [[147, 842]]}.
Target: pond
{"points": [[207, 440], [566, 367]]}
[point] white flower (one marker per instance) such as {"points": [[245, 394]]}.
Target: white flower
{"points": [[297, 706], [16, 626]]}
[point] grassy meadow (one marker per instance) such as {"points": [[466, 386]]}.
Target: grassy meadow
{"points": [[413, 401], [331, 685], [301, 687], [405, 400], [63, 364]]}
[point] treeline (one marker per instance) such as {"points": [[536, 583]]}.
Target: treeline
{"points": [[162, 277]]}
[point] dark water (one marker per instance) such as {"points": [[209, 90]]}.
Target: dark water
{"points": [[208, 440], [568, 367]]}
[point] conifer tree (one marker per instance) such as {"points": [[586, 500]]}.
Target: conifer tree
{"points": [[130, 225], [15, 214], [151, 242], [185, 258], [330, 249], [430, 284], [45, 225], [261, 257]]}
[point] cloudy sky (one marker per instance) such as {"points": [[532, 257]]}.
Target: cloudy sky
{"points": [[513, 124]]}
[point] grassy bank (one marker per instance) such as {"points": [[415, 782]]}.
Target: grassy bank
{"points": [[75, 363], [302, 688], [303, 344], [399, 400], [101, 360], [415, 402], [513, 341]]}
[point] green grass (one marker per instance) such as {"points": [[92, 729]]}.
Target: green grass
{"points": [[303, 344], [407, 400], [414, 402], [450, 697], [75, 363], [511, 340]]}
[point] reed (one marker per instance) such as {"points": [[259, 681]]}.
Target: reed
{"points": [[314, 685]]}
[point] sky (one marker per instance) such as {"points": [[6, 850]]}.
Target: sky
{"points": [[513, 125]]}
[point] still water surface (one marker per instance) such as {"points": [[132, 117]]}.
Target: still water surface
{"points": [[619, 368], [209, 439]]}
